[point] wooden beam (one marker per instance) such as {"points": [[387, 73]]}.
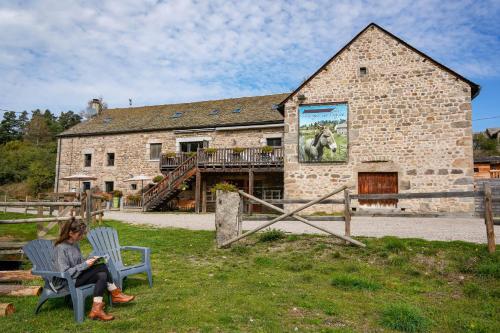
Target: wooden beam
{"points": [[197, 196], [250, 190], [13, 276], [347, 213], [38, 203], [453, 194], [19, 290], [37, 220], [488, 218], [204, 196], [6, 309], [303, 201]]}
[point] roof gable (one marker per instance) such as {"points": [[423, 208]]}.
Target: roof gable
{"points": [[475, 88]]}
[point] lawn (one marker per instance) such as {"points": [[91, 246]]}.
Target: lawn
{"points": [[287, 283]]}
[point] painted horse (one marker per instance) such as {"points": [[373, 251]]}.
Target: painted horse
{"points": [[313, 149]]}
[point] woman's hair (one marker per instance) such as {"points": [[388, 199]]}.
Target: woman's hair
{"points": [[70, 226]]}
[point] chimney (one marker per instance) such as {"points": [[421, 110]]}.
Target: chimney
{"points": [[96, 105]]}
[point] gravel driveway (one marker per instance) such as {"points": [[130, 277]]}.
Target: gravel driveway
{"points": [[436, 228]]}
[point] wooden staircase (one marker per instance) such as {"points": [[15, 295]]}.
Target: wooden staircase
{"points": [[169, 186]]}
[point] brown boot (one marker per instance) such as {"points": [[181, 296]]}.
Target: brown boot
{"points": [[97, 312], [118, 297]]}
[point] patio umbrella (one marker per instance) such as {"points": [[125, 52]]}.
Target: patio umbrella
{"points": [[142, 178], [79, 177]]}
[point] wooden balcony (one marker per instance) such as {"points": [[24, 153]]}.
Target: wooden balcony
{"points": [[494, 173], [227, 160]]}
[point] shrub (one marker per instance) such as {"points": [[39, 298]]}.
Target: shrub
{"points": [[224, 187], [117, 193], [133, 197], [404, 318], [238, 150], [191, 154], [210, 151], [267, 149], [349, 282], [271, 235], [157, 179], [171, 154]]}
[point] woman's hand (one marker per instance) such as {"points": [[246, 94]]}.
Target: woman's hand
{"points": [[91, 261]]}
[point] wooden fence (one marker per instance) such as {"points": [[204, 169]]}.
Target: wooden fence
{"points": [[89, 208], [485, 195]]}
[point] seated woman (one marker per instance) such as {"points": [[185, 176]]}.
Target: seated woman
{"points": [[68, 258]]}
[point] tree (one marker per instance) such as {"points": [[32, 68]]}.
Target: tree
{"points": [[37, 131], [68, 119], [41, 176], [484, 146], [9, 127], [22, 123]]}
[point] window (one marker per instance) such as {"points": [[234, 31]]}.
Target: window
{"points": [[154, 151], [476, 169], [187, 147], [110, 159], [273, 142], [133, 187], [109, 186], [85, 186], [363, 71], [87, 160]]}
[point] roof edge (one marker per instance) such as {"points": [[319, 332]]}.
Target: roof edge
{"points": [[475, 88], [62, 135]]}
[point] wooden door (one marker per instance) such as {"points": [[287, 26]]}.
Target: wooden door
{"points": [[378, 183]]}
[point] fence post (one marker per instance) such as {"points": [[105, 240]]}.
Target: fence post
{"points": [[488, 218], [347, 213], [88, 207], [39, 226]]}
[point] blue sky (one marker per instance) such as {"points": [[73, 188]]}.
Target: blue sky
{"points": [[59, 54]]}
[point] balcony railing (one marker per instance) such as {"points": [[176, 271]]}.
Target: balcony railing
{"points": [[228, 158], [494, 173]]}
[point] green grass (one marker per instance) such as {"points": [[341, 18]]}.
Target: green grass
{"points": [[404, 318], [286, 284]]}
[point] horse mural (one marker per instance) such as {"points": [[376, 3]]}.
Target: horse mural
{"points": [[312, 149]]}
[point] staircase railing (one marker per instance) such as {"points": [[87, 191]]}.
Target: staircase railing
{"points": [[169, 181]]}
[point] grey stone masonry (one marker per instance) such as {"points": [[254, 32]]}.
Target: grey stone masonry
{"points": [[406, 115]]}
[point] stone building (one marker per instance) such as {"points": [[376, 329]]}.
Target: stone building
{"points": [[408, 129]]}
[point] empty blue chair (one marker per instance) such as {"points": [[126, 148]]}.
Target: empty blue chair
{"points": [[105, 242], [40, 253]]}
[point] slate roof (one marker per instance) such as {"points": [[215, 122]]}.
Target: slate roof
{"points": [[253, 110]]}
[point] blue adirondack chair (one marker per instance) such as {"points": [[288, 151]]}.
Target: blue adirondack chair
{"points": [[105, 242], [40, 253]]}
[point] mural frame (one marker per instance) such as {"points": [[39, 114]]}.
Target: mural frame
{"points": [[326, 104]]}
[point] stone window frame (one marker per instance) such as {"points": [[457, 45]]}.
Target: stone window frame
{"points": [[105, 162], [148, 149], [178, 141], [263, 141], [361, 69], [91, 152]]}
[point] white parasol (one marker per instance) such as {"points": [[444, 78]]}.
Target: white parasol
{"points": [[79, 177]]}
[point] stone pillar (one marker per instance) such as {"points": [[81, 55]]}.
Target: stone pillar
{"points": [[226, 216]]}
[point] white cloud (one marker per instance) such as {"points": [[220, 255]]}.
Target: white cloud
{"points": [[59, 54]]}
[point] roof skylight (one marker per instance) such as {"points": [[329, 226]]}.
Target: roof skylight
{"points": [[214, 112], [177, 115], [238, 110]]}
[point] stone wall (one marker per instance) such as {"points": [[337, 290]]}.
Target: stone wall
{"points": [[132, 152], [407, 115]]}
